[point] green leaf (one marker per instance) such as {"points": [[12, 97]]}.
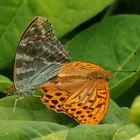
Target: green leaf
{"points": [[137, 137], [5, 83], [93, 132], [97, 132], [117, 114], [65, 16], [127, 132], [135, 111], [27, 130], [4, 79], [30, 108], [59, 135], [114, 44]]}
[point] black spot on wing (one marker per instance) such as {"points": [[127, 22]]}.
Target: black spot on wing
{"points": [[54, 101]]}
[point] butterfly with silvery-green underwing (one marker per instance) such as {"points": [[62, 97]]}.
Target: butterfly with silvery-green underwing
{"points": [[78, 89]]}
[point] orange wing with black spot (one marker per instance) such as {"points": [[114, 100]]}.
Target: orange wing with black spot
{"points": [[53, 96], [88, 104], [56, 94]]}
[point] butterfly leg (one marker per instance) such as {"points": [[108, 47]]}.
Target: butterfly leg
{"points": [[15, 104]]}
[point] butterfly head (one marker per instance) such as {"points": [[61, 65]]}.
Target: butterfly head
{"points": [[108, 75]]}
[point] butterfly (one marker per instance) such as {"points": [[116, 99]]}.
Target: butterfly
{"points": [[78, 89]]}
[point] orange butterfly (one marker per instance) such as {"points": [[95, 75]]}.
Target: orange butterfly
{"points": [[80, 90]]}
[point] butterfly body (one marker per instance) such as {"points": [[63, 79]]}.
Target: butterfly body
{"points": [[83, 92]]}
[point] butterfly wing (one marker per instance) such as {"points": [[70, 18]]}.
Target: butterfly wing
{"points": [[79, 69], [88, 104], [39, 56], [55, 94]]}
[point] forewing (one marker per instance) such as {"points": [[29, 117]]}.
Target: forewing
{"points": [[39, 56], [89, 104], [82, 69]]}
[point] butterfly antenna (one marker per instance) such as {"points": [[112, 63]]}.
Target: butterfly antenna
{"points": [[124, 71]]}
